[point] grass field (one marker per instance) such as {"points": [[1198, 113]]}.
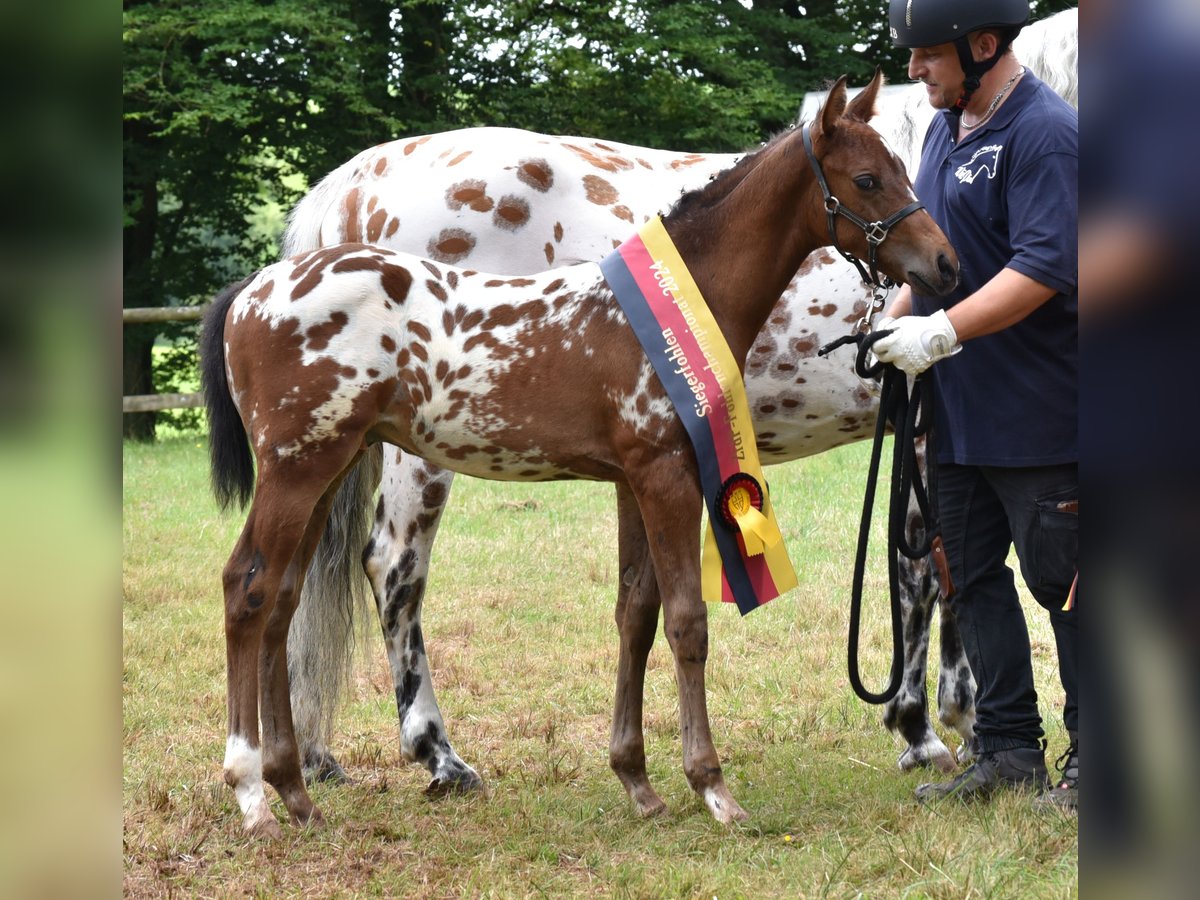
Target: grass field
{"points": [[519, 631]]}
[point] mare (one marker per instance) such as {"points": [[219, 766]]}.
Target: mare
{"points": [[510, 201], [309, 361]]}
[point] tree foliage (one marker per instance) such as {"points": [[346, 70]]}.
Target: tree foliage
{"points": [[225, 99]]}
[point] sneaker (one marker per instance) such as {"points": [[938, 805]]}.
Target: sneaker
{"points": [[1021, 767], [1064, 794]]}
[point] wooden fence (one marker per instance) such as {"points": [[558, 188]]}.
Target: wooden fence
{"points": [[156, 402]]}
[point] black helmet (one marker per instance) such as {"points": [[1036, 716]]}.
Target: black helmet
{"points": [[926, 23]]}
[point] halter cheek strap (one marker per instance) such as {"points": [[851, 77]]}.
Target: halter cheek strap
{"points": [[875, 232]]}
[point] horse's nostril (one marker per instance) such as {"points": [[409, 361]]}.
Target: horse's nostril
{"points": [[947, 269]]}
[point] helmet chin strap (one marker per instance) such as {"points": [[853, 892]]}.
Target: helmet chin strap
{"points": [[974, 70]]}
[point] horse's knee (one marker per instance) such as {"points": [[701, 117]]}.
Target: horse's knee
{"points": [[247, 592], [687, 633]]}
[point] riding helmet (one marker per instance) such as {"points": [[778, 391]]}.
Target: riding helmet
{"points": [[927, 23]]}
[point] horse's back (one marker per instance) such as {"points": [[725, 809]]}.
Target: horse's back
{"points": [[450, 364], [499, 200]]}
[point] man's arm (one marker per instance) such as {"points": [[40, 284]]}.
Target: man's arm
{"points": [[917, 342]]}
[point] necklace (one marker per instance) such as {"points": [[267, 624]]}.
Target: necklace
{"points": [[987, 113]]}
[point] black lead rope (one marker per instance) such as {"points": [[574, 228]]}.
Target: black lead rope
{"points": [[911, 418]]}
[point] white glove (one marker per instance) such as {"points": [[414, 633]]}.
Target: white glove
{"points": [[917, 342], [883, 324]]}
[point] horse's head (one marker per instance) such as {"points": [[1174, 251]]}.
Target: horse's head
{"points": [[868, 192]]}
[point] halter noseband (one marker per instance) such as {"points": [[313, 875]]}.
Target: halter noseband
{"points": [[875, 232]]}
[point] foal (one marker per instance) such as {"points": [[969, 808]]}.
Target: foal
{"points": [[532, 378]]}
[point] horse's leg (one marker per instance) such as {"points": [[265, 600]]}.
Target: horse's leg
{"points": [[281, 759], [637, 621], [956, 685], [670, 502], [414, 494], [275, 527], [908, 712]]}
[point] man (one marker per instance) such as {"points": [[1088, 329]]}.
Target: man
{"points": [[999, 173]]}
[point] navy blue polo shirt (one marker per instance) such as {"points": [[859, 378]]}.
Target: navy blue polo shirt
{"points": [[1007, 196]]}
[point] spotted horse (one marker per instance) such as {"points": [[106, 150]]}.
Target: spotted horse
{"points": [[313, 359], [512, 201]]}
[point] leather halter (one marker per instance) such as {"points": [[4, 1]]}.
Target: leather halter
{"points": [[875, 232]]}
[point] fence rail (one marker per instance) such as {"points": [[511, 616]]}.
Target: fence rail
{"points": [[156, 402]]}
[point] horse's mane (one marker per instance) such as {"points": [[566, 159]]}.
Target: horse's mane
{"points": [[698, 201]]}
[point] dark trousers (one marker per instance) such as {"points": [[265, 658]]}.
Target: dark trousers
{"points": [[984, 511]]}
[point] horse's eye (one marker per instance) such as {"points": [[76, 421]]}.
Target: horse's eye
{"points": [[867, 182]]}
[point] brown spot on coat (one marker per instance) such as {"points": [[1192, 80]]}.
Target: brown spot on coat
{"points": [[319, 336], [264, 290], [472, 193], [536, 173], [375, 225], [451, 245], [623, 212], [350, 212], [599, 191], [395, 280], [607, 163], [511, 213], [410, 147]]}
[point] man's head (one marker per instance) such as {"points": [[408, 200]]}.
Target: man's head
{"points": [[954, 43]]}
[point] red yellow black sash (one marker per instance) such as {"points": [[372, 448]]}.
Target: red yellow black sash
{"points": [[745, 561]]}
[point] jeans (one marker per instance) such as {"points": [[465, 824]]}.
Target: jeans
{"points": [[984, 511]]}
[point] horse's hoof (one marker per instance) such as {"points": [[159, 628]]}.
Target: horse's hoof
{"points": [[323, 768], [465, 782], [967, 751], [723, 807], [938, 758], [651, 810], [314, 819], [263, 827]]}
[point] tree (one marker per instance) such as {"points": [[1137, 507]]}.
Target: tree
{"points": [[222, 99]]}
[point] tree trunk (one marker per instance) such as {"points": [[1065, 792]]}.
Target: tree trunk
{"points": [[141, 204]]}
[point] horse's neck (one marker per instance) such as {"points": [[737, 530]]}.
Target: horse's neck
{"points": [[744, 249]]}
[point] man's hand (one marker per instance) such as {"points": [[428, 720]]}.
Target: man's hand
{"points": [[917, 342]]}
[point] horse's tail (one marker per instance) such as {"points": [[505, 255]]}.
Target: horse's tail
{"points": [[229, 450], [321, 638], [303, 231]]}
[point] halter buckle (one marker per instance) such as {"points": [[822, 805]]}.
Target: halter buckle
{"points": [[876, 233]]}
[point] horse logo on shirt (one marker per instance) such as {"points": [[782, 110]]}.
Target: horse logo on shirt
{"points": [[986, 159]]}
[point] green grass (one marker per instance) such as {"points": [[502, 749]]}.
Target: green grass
{"points": [[518, 623]]}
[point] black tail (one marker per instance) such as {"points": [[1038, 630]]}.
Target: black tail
{"points": [[231, 463]]}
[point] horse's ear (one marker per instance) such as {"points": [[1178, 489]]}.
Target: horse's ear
{"points": [[862, 107], [835, 105]]}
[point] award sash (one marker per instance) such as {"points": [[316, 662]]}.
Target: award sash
{"points": [[744, 561]]}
